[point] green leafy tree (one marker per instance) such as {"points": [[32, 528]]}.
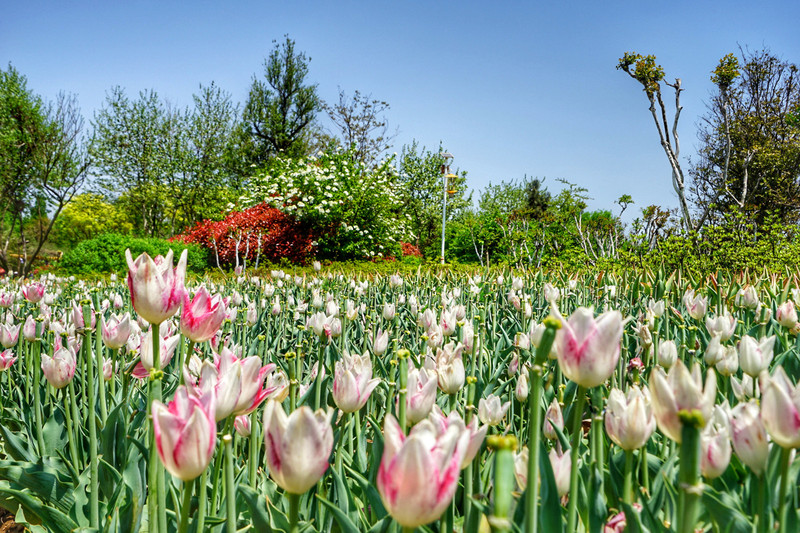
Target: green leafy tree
{"points": [[360, 124], [86, 216], [750, 140], [43, 163], [279, 108], [422, 173]]}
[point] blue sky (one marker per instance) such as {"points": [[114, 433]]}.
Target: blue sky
{"points": [[510, 88]]}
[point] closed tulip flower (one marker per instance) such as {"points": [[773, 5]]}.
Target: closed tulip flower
{"points": [[715, 443], [749, 436], [115, 331], [667, 353], [388, 311], [185, 433], [450, 368], [418, 474], [353, 382], [491, 410], [755, 356], [553, 417], [588, 347], [747, 298], [477, 434], [562, 467], [448, 322], [780, 409], [7, 299], [521, 390], [521, 468], [242, 425], [59, 369], [786, 314], [202, 316], [166, 352], [29, 329], [9, 335], [728, 365], [681, 390], [298, 446], [522, 341], [629, 419], [421, 394], [6, 359], [156, 288], [380, 343]]}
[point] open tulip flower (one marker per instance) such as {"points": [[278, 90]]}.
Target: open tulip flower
{"points": [[421, 393], [186, 433], [588, 348], [450, 368], [491, 410], [156, 288], [749, 436], [477, 434], [9, 335], [60, 368], [418, 475], [7, 359], [780, 409], [115, 331], [297, 446], [629, 418], [681, 390], [716, 443], [166, 352], [353, 382], [33, 292], [202, 316], [755, 355]]}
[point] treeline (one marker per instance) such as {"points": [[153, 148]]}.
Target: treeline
{"points": [[238, 177]]}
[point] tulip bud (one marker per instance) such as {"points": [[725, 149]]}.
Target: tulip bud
{"points": [[715, 444], [562, 467], [696, 305], [553, 417], [29, 329], [380, 343], [521, 391], [448, 322], [388, 311], [521, 468], [450, 368], [729, 364], [667, 353], [522, 341], [747, 297], [242, 425], [9, 335], [297, 446]]}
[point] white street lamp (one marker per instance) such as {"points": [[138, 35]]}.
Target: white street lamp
{"points": [[447, 158]]}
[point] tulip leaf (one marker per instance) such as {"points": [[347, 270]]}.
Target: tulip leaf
{"points": [[381, 526], [257, 505], [56, 520], [370, 491], [54, 432], [633, 522], [550, 518], [723, 510], [345, 524], [45, 482], [15, 446]]}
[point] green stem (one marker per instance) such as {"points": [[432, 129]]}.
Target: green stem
{"points": [[503, 483], [230, 486], [184, 361], [402, 386], [73, 451], [201, 501], [94, 493], [534, 436], [157, 499], [627, 488], [690, 484], [782, 492], [185, 507], [294, 512], [577, 431], [761, 504], [252, 456], [37, 371], [318, 380]]}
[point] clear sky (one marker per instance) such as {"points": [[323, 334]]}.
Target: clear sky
{"points": [[510, 88]]}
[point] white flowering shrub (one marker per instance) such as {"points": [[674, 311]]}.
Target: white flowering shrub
{"points": [[355, 212]]}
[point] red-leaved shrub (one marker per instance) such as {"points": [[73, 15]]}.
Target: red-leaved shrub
{"points": [[260, 231], [410, 249]]}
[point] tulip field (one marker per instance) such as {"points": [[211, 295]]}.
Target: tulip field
{"points": [[328, 399]]}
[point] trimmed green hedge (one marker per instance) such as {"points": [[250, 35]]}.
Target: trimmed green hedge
{"points": [[106, 253]]}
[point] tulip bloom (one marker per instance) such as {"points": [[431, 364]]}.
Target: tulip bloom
{"points": [[7, 299], [588, 347], [186, 433], [59, 369], [9, 335], [521, 468], [562, 467], [353, 382], [681, 390], [491, 411], [477, 434], [715, 443], [202, 316], [115, 331], [629, 420], [6, 359], [450, 368], [722, 326], [749, 436], [166, 351], [380, 343], [696, 305], [780, 409], [521, 390], [786, 314], [755, 356], [553, 417], [297, 446], [667, 353], [421, 394], [29, 329], [418, 475], [33, 292], [242, 425], [156, 288]]}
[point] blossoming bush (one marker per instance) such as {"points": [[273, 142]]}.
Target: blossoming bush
{"points": [[355, 212]]}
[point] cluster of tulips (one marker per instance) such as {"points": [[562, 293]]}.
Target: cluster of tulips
{"points": [[342, 401]]}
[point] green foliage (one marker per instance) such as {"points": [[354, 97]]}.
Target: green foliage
{"points": [[106, 253], [645, 71], [357, 211], [726, 71], [86, 216]]}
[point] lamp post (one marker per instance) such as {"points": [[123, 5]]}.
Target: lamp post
{"points": [[447, 158]]}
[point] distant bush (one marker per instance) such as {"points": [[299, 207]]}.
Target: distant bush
{"points": [[106, 253], [85, 216], [261, 233]]}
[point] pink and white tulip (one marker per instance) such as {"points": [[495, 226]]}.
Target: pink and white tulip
{"points": [[33, 292], [202, 316], [681, 390], [629, 418], [353, 382], [7, 359], [749, 436], [115, 331], [297, 446], [156, 288], [59, 369], [588, 348], [780, 409]]}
